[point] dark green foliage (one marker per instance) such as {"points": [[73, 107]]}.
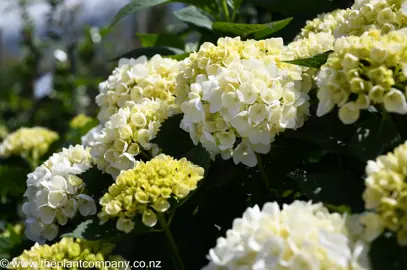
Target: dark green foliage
{"points": [[256, 31], [315, 62]]}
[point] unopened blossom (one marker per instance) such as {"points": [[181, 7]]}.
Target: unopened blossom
{"points": [[135, 80], [366, 15], [237, 96], [28, 142], [146, 190], [364, 71], [70, 251], [298, 236], [385, 195], [55, 193]]}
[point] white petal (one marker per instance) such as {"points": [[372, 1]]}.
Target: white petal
{"points": [[47, 214]]}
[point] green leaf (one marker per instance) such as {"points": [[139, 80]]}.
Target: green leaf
{"points": [[80, 230], [374, 137], [386, 254], [179, 57], [235, 4], [315, 61], [92, 230], [13, 180], [299, 7], [327, 132], [339, 208], [329, 187], [194, 16], [96, 182], [258, 31], [135, 6], [273, 27], [172, 139], [199, 156], [167, 40], [221, 173], [210, 6], [150, 52]]}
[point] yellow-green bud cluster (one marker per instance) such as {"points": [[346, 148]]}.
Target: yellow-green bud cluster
{"points": [[80, 121], [323, 23], [69, 250], [386, 194], [33, 142], [147, 188], [138, 79], [363, 71], [365, 15], [237, 95]]}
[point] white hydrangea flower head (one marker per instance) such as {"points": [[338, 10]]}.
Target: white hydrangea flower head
{"points": [[55, 193], [365, 15], [91, 138], [127, 133], [299, 236], [364, 71], [236, 96], [136, 79], [385, 195], [323, 23]]}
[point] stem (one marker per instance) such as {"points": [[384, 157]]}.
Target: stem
{"points": [[262, 172], [32, 159], [234, 15], [171, 241], [225, 10], [145, 155]]}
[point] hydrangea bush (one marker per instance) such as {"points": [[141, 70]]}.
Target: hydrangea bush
{"points": [[244, 151]]}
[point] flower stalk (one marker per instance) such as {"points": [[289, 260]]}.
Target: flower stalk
{"points": [[171, 241]]}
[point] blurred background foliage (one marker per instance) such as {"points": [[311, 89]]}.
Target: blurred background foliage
{"points": [[55, 77]]}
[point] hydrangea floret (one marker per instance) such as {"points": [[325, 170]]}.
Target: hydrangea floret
{"points": [[364, 71], [385, 195], [323, 23], [31, 143], [366, 15], [138, 79], [146, 190], [70, 251], [127, 134], [236, 96], [92, 137], [301, 235], [55, 193]]}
